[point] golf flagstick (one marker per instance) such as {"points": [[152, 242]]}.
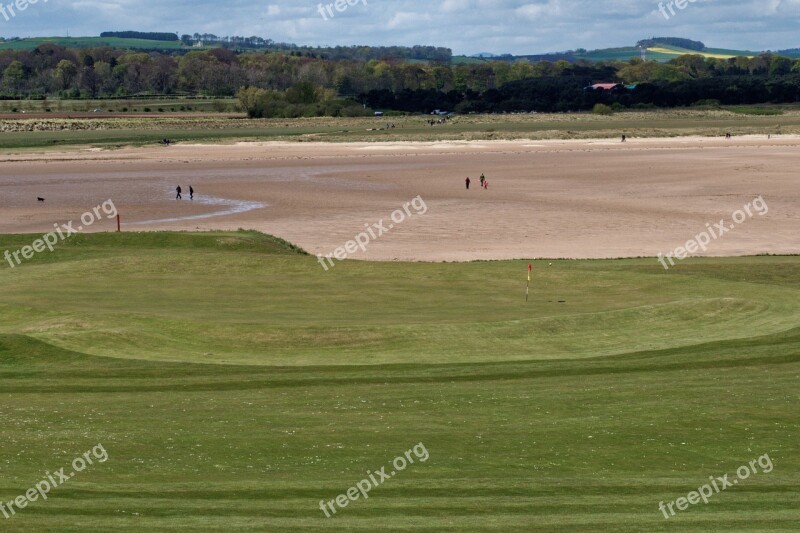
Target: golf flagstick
{"points": [[528, 286]]}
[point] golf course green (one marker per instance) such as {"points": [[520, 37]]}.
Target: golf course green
{"points": [[235, 384]]}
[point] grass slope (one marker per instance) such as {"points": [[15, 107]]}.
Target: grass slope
{"points": [[676, 51], [662, 53], [32, 43], [235, 384]]}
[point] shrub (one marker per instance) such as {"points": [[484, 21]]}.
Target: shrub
{"points": [[602, 109], [708, 102]]}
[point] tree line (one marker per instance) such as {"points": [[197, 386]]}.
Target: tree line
{"points": [[321, 85], [146, 35]]}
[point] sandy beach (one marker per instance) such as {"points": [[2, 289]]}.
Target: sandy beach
{"points": [[570, 199]]}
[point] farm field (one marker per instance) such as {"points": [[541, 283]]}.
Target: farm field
{"points": [[677, 51], [234, 384]]}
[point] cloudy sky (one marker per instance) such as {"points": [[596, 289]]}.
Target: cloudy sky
{"points": [[466, 26]]}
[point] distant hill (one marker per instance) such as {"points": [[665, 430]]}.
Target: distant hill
{"points": [[792, 52], [91, 42], [169, 42], [660, 49], [150, 36], [679, 42], [660, 52]]}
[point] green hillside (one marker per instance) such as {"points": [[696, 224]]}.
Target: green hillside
{"points": [[91, 42]]}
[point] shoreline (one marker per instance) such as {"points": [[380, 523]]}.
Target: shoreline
{"points": [[78, 152]]}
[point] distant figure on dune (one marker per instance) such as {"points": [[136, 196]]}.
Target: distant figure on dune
{"points": [[483, 179], [467, 181], [624, 138], [178, 190], [191, 193], [728, 136], [486, 185]]}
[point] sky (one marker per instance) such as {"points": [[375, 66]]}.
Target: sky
{"points": [[466, 26]]}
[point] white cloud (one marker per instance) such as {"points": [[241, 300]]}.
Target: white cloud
{"points": [[467, 26], [403, 19]]}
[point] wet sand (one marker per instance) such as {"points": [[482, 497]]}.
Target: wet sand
{"points": [[573, 199]]}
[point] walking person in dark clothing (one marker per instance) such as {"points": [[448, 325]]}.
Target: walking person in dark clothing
{"points": [[191, 193], [178, 190], [467, 181]]}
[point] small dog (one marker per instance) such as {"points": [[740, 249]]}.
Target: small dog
{"points": [[39, 198]]}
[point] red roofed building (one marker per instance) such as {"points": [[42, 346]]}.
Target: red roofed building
{"points": [[606, 86]]}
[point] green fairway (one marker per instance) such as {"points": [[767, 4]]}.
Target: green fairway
{"points": [[234, 384]]}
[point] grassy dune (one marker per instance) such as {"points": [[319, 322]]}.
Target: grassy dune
{"points": [[235, 384], [27, 134], [152, 105]]}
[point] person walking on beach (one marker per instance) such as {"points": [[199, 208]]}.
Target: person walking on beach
{"points": [[483, 178], [178, 190], [191, 193], [467, 181], [486, 185]]}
